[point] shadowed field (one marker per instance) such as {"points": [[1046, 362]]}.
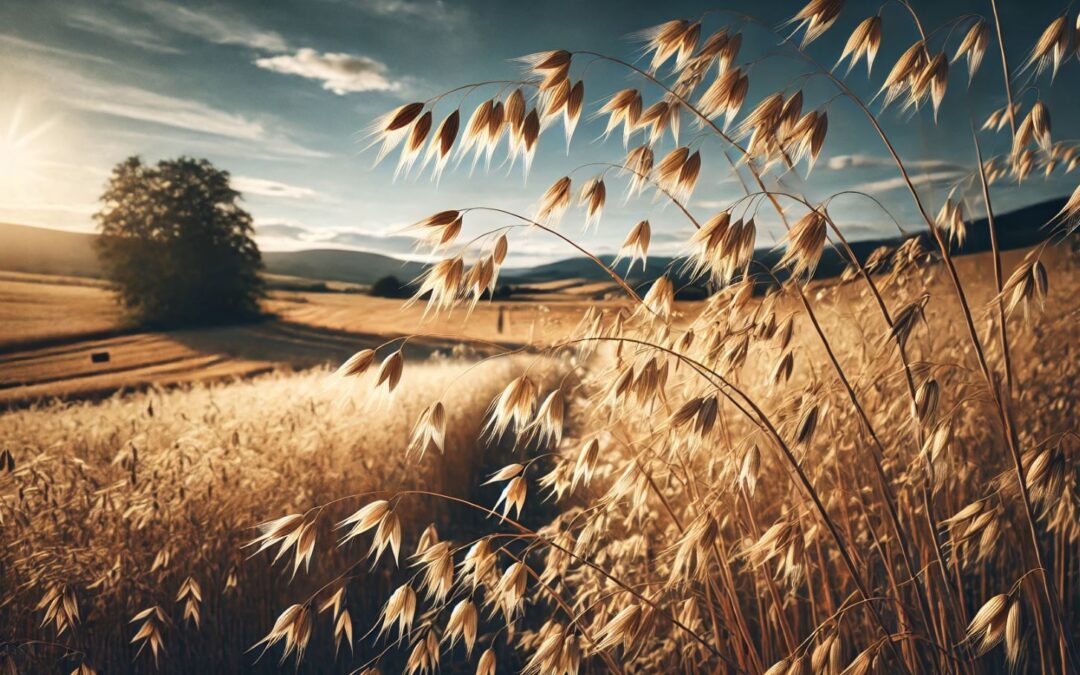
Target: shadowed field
{"points": [[51, 326]]}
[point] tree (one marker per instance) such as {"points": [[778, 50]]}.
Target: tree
{"points": [[176, 243], [388, 287]]}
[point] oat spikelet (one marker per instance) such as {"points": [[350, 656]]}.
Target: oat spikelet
{"points": [[486, 664], [663, 41], [951, 219], [413, 145], [392, 128], [441, 144], [358, 363], [572, 110], [190, 594], [931, 82], [1014, 633], [462, 624], [1052, 47], [725, 96], [475, 138], [151, 631], [437, 560], [1040, 125], [639, 165], [443, 284], [400, 607], [513, 409], [623, 109], [366, 518], [816, 17], [864, 42], [429, 433], [530, 135], [1027, 286], [805, 244], [973, 47], [554, 202], [635, 246], [439, 230], [668, 172], [513, 496], [988, 625], [547, 428], [904, 72], [661, 298], [593, 197]]}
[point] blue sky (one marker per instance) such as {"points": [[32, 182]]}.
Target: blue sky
{"points": [[278, 93]]}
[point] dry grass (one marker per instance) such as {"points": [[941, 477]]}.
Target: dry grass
{"points": [[879, 475], [49, 327], [120, 503], [874, 477], [35, 307]]}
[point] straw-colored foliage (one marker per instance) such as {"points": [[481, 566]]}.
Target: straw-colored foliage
{"points": [[125, 521], [878, 474]]}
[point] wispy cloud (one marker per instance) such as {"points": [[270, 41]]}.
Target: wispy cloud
{"points": [[219, 26], [433, 11], [272, 188], [841, 162], [19, 43], [339, 73], [195, 118], [888, 184], [148, 106], [116, 28], [281, 233]]}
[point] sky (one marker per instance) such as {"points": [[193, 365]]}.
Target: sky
{"points": [[280, 94]]}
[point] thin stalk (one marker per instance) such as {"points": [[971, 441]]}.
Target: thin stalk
{"points": [[1003, 334], [1004, 68]]}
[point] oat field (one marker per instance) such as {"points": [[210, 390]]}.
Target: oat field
{"points": [[877, 473], [112, 508]]}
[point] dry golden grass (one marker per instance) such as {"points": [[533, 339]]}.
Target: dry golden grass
{"points": [[49, 327], [873, 476], [35, 307], [879, 476], [120, 504]]}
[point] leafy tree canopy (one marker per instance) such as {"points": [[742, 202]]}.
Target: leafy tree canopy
{"points": [[177, 244]]}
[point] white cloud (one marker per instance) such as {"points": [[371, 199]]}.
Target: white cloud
{"points": [[435, 11], [219, 26], [148, 106], [199, 120], [840, 162], [932, 178], [115, 28], [28, 45], [339, 73], [272, 188]]}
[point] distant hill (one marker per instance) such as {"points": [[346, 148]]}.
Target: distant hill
{"points": [[331, 264], [40, 250], [1016, 229], [45, 251]]}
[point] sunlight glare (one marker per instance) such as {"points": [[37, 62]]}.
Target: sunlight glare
{"points": [[21, 152]]}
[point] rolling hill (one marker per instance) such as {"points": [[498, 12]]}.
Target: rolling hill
{"points": [[46, 251], [1016, 229], [39, 250]]}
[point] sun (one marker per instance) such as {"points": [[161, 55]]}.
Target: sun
{"points": [[23, 148], [16, 159]]}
